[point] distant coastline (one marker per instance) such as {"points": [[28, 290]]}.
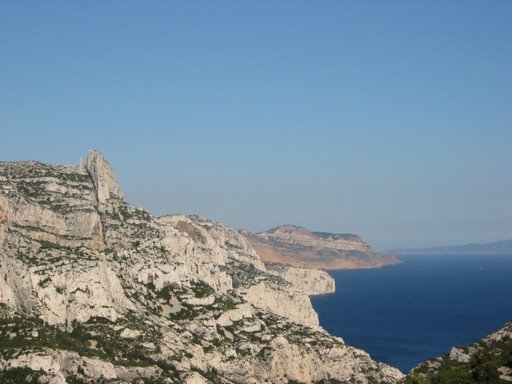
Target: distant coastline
{"points": [[502, 247], [454, 253]]}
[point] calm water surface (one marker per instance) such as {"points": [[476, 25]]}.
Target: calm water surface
{"points": [[405, 314]]}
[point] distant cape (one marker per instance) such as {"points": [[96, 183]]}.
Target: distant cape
{"points": [[301, 248], [497, 247]]}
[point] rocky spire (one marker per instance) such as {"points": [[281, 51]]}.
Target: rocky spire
{"points": [[103, 177]]}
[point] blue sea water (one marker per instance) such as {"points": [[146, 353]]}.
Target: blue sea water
{"points": [[408, 313]]}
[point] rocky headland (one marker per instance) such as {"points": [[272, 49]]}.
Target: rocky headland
{"points": [[299, 247], [96, 290]]}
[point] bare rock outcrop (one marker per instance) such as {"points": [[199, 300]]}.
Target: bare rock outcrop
{"points": [[103, 177], [50, 203], [309, 281]]}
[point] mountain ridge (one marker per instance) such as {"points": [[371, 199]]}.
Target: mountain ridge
{"points": [[94, 289]]}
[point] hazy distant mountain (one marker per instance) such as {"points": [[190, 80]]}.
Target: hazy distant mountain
{"points": [[503, 246]]}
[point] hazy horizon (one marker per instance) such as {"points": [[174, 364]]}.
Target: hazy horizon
{"points": [[391, 120]]}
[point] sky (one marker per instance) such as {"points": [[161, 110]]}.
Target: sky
{"points": [[389, 119]]}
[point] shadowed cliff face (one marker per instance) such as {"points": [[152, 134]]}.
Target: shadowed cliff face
{"points": [[93, 288], [299, 247]]}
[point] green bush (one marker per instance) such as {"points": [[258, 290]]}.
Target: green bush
{"points": [[20, 375]]}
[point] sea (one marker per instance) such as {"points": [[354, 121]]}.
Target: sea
{"points": [[405, 314]]}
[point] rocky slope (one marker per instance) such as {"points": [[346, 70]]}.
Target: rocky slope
{"points": [[95, 290], [299, 247], [488, 361]]}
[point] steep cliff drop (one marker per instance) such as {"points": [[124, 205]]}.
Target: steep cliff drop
{"points": [[93, 289]]}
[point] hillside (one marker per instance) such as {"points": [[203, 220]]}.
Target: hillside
{"points": [[488, 361], [95, 290], [299, 247]]}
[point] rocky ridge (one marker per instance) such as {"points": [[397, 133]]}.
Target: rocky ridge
{"points": [[93, 289], [302, 248]]}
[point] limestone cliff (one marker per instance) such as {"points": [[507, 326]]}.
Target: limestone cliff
{"points": [[103, 177], [94, 289], [309, 281], [298, 247]]}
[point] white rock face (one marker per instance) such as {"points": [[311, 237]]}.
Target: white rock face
{"points": [[504, 333], [457, 354], [505, 373], [283, 301], [52, 203], [103, 177], [309, 281], [109, 291]]}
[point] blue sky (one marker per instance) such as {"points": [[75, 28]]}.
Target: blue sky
{"points": [[390, 119]]}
